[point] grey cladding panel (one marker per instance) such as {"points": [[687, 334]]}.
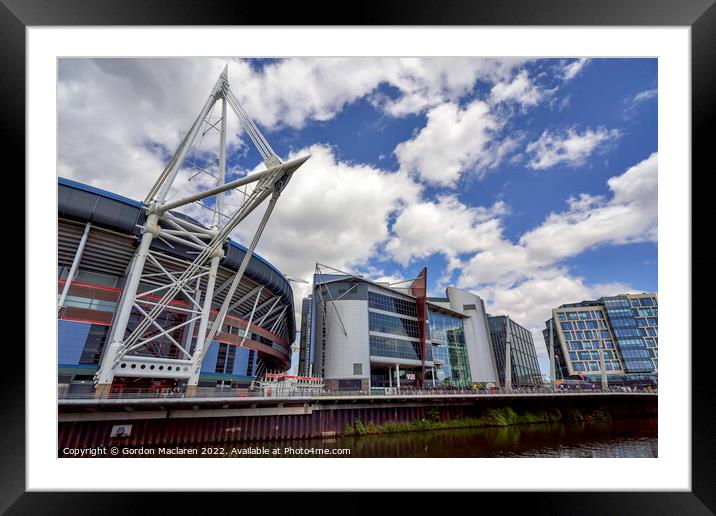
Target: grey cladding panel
{"points": [[87, 206]]}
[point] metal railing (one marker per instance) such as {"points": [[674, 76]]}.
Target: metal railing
{"points": [[376, 393]]}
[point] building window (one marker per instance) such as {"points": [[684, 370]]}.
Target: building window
{"points": [[94, 344], [221, 358], [397, 348], [231, 358], [389, 324], [250, 364], [392, 304], [357, 369]]}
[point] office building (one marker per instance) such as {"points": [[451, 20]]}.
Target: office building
{"points": [[625, 327], [524, 370], [363, 335]]}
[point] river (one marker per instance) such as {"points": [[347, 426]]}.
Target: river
{"points": [[622, 438], [633, 438]]}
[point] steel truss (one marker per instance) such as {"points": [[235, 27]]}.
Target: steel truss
{"points": [[133, 353]]}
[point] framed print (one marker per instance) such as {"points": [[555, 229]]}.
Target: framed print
{"points": [[439, 244]]}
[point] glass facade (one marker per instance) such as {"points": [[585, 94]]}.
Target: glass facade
{"points": [[397, 348], [447, 335], [632, 328], [392, 304], [407, 348], [306, 338], [585, 332], [384, 323], [525, 369], [627, 325], [80, 343]]}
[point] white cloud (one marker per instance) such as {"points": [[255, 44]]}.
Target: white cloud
{"points": [[645, 95], [292, 91], [444, 226], [331, 212], [569, 147], [120, 118], [574, 68], [633, 102], [526, 280], [424, 83], [454, 141], [629, 216], [520, 90], [530, 302], [638, 184]]}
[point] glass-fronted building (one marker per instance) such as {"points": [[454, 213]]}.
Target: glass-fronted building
{"points": [[304, 350], [525, 371], [625, 327], [449, 350], [361, 335]]}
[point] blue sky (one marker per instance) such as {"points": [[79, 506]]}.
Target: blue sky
{"points": [[529, 182]]}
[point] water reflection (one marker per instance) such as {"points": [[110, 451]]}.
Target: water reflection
{"points": [[634, 438], [623, 438]]}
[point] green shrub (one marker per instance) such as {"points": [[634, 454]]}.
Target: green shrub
{"points": [[434, 415], [499, 417]]}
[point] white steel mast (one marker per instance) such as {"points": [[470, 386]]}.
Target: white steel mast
{"points": [[118, 358]]}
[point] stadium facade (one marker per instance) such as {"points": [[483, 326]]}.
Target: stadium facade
{"points": [[98, 234], [625, 327], [358, 334]]}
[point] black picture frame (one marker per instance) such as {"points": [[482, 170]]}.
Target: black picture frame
{"points": [[700, 15]]}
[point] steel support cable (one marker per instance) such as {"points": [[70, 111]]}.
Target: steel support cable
{"points": [[251, 123], [170, 167], [251, 318], [183, 231], [333, 303], [245, 123], [259, 141]]}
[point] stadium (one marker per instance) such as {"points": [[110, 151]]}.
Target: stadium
{"points": [[99, 233]]}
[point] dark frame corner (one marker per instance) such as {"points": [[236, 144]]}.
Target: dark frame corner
{"points": [[700, 15]]}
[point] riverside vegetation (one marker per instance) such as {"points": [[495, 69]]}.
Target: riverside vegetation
{"points": [[504, 416]]}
